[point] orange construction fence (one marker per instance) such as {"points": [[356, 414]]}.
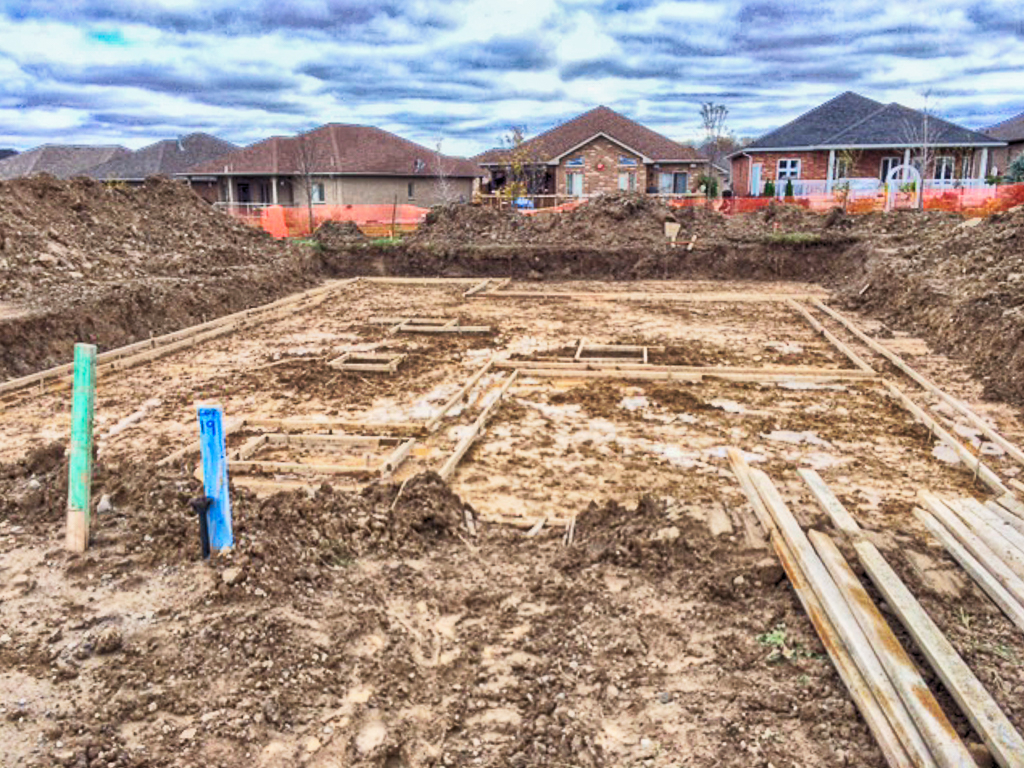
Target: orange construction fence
{"points": [[372, 220]]}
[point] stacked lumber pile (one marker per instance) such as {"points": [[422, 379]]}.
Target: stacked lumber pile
{"points": [[907, 722]]}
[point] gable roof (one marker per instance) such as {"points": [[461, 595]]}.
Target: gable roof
{"points": [[336, 149], [5, 153], [852, 120], [60, 160], [1008, 130], [553, 144], [164, 158]]}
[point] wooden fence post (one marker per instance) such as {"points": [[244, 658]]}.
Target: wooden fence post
{"points": [[80, 458]]}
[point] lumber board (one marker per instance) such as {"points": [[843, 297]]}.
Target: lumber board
{"points": [[717, 297], [332, 425], [972, 462], [987, 719], [1012, 504], [993, 538], [248, 448], [457, 397], [423, 280], [372, 441], [888, 696], [445, 329], [996, 522], [230, 427], [522, 522], [1006, 515], [391, 464], [974, 544], [986, 429], [943, 741], [691, 376], [859, 689], [831, 505], [709, 370], [1007, 602], [831, 338], [296, 468], [477, 288], [448, 469]]}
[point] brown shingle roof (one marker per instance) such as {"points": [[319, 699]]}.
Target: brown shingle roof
{"points": [[60, 160], [1008, 130], [554, 143], [164, 158], [338, 149]]}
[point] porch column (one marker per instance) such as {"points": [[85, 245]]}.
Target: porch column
{"points": [[983, 168], [273, 194], [831, 171], [906, 161], [231, 190]]}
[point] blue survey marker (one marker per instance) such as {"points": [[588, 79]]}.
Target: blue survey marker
{"points": [[215, 476]]}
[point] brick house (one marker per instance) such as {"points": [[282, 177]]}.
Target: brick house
{"points": [[596, 152], [343, 165], [1012, 132], [854, 140]]}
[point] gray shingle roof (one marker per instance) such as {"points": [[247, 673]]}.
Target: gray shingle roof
{"points": [[5, 153], [60, 160], [1008, 130], [164, 158], [853, 120]]}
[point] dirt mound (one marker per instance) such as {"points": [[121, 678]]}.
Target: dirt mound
{"points": [[34, 490], [338, 234]]}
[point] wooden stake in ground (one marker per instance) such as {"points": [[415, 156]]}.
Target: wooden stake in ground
{"points": [[215, 476], [80, 458]]}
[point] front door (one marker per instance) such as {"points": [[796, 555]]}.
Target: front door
{"points": [[755, 179]]}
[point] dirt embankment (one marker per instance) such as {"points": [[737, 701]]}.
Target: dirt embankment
{"points": [[83, 261]]}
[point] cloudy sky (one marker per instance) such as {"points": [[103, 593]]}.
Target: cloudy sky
{"points": [[132, 72]]}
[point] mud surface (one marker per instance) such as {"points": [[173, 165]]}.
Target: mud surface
{"points": [[366, 624]]}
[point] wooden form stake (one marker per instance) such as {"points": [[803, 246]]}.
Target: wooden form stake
{"points": [[992, 537], [83, 404], [829, 336], [972, 462], [474, 432], [860, 691], [1016, 453]]}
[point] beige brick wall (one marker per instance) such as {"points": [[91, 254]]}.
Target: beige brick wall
{"points": [[600, 167]]}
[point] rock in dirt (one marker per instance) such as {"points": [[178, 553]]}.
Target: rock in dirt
{"points": [[110, 640], [232, 576]]}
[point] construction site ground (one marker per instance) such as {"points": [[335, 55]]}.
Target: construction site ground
{"points": [[359, 624]]}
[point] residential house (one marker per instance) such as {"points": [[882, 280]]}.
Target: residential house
{"points": [[598, 151], [855, 140], [165, 158], [1012, 132], [339, 165], [60, 160]]}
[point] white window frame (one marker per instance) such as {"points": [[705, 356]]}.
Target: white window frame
{"points": [[576, 162], [790, 171], [844, 168], [945, 168], [887, 164], [318, 193], [627, 181], [627, 162], [569, 185]]}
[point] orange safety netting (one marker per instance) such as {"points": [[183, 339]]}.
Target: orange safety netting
{"points": [[292, 221]]}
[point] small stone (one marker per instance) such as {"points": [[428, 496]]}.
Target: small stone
{"points": [[188, 734], [5, 639], [231, 576], [259, 592], [739, 581], [109, 640], [105, 505]]}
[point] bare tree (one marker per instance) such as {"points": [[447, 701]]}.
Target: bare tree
{"points": [[311, 161], [713, 117], [445, 191], [918, 134], [523, 175]]}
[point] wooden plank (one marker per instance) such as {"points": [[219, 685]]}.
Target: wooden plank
{"points": [[973, 463], [986, 429], [939, 734], [476, 288], [370, 441], [464, 445], [1007, 602], [579, 349], [1010, 581], [993, 539], [457, 397], [720, 297], [295, 468], [422, 280], [710, 370], [1012, 504], [391, 464], [1016, 485], [445, 328], [827, 500], [639, 375], [835, 605], [214, 467], [1006, 515], [230, 427], [522, 522], [855, 682], [247, 449], [987, 719], [80, 449], [854, 358], [995, 521], [331, 425]]}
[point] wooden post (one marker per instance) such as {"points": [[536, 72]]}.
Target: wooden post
{"points": [[215, 475], [80, 458]]}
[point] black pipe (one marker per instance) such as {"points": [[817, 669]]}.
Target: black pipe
{"points": [[201, 506]]}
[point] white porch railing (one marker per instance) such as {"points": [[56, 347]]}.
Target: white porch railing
{"points": [[865, 187]]}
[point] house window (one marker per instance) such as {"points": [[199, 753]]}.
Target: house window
{"points": [[844, 168], [318, 193], [627, 181], [888, 163], [788, 168], [627, 161], [673, 183], [944, 166], [576, 162], [574, 183], [412, 189]]}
